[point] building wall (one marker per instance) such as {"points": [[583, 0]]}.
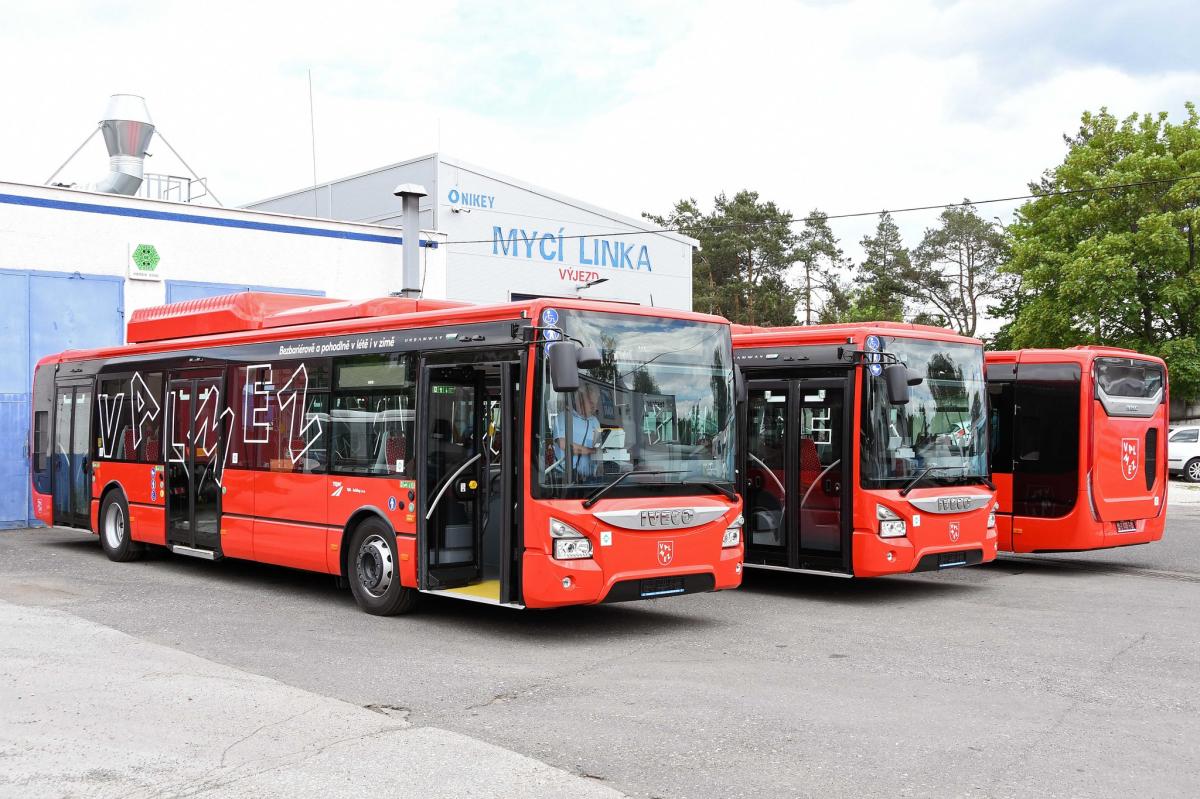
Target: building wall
{"points": [[506, 236]]}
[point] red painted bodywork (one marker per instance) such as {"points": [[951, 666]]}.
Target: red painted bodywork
{"points": [[299, 520], [1105, 496], [869, 552]]}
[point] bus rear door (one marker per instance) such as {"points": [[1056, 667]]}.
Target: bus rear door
{"points": [[71, 472], [466, 530], [798, 474], [1129, 420]]}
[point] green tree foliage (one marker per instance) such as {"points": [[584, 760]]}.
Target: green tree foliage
{"points": [[1119, 266], [879, 280], [956, 267], [820, 258], [747, 247]]}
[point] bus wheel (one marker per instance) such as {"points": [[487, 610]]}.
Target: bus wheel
{"points": [[1191, 472], [374, 572], [114, 530]]}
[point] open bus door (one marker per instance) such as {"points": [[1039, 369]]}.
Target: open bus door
{"points": [[797, 474], [194, 445], [468, 460]]}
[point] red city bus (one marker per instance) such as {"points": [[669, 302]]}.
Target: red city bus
{"points": [[1078, 447], [865, 449], [407, 445]]}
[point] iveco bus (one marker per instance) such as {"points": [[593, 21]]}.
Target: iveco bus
{"points": [[1078, 448], [865, 449], [528, 454]]}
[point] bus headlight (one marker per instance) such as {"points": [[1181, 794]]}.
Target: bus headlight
{"points": [[569, 543], [572, 548], [992, 518], [733, 533], [890, 523]]}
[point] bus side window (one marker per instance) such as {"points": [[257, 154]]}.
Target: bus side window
{"points": [[143, 438], [41, 441], [114, 430], [373, 415]]}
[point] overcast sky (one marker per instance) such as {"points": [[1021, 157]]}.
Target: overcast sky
{"points": [[845, 106]]}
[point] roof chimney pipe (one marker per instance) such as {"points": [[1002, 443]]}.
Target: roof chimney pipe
{"points": [[410, 195], [127, 132]]}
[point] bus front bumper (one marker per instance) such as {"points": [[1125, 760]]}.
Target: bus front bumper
{"points": [[877, 557], [549, 583]]}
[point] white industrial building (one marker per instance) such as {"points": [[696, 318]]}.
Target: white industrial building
{"points": [[508, 239]]}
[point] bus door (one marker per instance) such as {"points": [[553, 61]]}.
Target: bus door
{"points": [[71, 481], [194, 462], [467, 476], [797, 474]]}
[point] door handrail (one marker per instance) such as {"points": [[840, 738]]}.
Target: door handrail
{"points": [[446, 484], [769, 471], [817, 482]]}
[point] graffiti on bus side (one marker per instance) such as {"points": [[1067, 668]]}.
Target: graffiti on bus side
{"points": [[205, 422], [292, 398], [145, 409], [204, 428]]}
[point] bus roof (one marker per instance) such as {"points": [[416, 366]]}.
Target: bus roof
{"points": [[1080, 353], [250, 317], [753, 335]]}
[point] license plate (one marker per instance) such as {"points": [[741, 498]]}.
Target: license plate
{"points": [[1126, 527], [661, 586], [948, 560]]}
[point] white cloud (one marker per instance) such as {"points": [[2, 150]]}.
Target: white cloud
{"points": [[843, 106]]}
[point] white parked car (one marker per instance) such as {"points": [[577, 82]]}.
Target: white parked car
{"points": [[1183, 452]]}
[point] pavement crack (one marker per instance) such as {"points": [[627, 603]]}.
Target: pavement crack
{"points": [[225, 752], [1112, 662]]}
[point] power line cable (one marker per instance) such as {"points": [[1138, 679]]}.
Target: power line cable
{"points": [[796, 220]]}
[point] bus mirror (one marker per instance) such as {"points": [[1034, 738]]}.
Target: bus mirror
{"points": [[588, 358], [915, 378], [896, 377], [740, 394], [564, 366]]}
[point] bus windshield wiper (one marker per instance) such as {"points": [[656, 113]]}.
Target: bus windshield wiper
{"points": [[928, 470], [595, 495], [711, 484]]}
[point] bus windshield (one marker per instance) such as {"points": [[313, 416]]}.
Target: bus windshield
{"points": [[658, 412], [943, 426]]}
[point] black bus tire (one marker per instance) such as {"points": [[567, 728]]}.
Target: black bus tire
{"points": [[114, 530], [373, 569]]}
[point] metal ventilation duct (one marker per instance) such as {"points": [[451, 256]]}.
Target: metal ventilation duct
{"points": [[127, 131]]}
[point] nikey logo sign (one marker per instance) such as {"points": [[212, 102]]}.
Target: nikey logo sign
{"points": [[466, 199], [1129, 457]]}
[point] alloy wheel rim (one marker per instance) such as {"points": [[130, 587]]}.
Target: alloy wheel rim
{"points": [[114, 525]]}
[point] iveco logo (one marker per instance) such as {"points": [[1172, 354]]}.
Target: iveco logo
{"points": [[953, 504], [669, 517]]}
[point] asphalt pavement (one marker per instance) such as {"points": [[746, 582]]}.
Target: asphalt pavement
{"points": [[1048, 676]]}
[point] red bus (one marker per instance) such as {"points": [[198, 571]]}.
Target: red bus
{"points": [[1078, 447], [407, 445], [865, 449]]}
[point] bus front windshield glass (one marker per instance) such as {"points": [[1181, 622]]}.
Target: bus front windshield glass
{"points": [[658, 412], [943, 427]]}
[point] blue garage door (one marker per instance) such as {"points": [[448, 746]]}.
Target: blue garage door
{"points": [[43, 313], [180, 290]]}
